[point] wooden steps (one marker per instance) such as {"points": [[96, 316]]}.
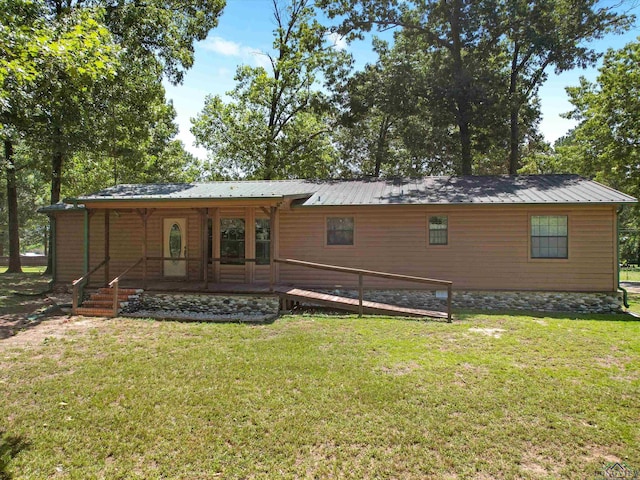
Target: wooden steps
{"points": [[100, 303], [352, 304]]}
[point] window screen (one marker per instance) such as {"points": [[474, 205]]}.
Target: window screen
{"points": [[438, 230], [549, 238], [340, 230]]}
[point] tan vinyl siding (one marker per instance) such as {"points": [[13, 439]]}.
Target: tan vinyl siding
{"points": [[488, 247], [69, 246]]}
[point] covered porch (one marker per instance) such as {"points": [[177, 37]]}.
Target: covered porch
{"points": [[227, 247]]}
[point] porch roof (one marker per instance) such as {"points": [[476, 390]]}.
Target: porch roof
{"points": [[505, 189]]}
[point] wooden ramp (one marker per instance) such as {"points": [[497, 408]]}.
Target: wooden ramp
{"points": [[352, 304]]}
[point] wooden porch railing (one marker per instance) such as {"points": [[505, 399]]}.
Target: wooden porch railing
{"points": [[79, 284], [115, 284], [371, 273]]}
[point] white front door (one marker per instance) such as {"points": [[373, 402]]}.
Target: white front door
{"points": [[175, 247]]}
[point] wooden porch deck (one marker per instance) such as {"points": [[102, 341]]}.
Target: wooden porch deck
{"points": [[199, 287]]}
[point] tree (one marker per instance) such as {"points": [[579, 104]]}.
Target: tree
{"points": [[606, 143], [384, 128], [276, 124], [454, 37], [151, 34], [31, 51], [490, 56], [543, 34], [154, 36]]}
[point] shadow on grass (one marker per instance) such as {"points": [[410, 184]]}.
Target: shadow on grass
{"points": [[10, 446], [601, 317], [24, 283], [331, 312], [22, 302], [165, 317]]}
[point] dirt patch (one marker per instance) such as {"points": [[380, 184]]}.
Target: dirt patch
{"points": [[28, 317], [51, 327], [611, 361], [539, 465], [21, 312], [598, 453], [400, 369], [490, 332]]}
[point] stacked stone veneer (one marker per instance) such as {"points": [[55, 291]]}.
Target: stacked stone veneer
{"points": [[196, 306], [477, 300]]}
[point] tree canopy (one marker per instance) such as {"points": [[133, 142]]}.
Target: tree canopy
{"points": [[277, 123]]}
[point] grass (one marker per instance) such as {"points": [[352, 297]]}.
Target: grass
{"points": [[630, 274], [26, 269], [489, 396], [634, 302], [18, 288]]}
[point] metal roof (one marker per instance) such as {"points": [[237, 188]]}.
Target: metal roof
{"points": [[505, 189], [59, 207]]}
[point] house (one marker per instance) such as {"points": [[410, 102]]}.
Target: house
{"points": [[517, 237]]}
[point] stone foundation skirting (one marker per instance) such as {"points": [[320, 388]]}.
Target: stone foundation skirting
{"points": [[577, 302], [211, 307], [196, 306]]}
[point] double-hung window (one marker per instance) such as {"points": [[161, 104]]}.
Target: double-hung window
{"points": [[340, 230], [263, 241], [438, 230], [549, 236], [232, 241]]}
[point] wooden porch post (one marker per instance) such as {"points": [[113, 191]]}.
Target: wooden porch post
{"points": [[106, 246], [144, 249], [272, 247], [249, 243], [216, 245], [144, 213], [204, 217]]}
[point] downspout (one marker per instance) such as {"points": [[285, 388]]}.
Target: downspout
{"points": [[625, 295], [86, 253]]}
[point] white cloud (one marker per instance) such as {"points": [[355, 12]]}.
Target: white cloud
{"points": [[338, 41], [223, 47], [230, 48]]}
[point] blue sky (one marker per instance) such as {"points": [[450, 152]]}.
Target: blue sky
{"points": [[245, 29]]}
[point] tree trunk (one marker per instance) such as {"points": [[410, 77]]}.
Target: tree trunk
{"points": [[514, 109], [514, 141], [12, 207], [381, 145], [56, 182], [465, 140], [461, 80]]}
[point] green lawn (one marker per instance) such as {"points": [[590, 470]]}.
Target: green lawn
{"points": [[630, 275], [489, 396], [634, 302], [26, 269], [17, 289]]}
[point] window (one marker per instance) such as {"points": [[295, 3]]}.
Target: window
{"points": [[263, 241], [232, 241], [340, 230], [438, 230], [549, 236]]}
